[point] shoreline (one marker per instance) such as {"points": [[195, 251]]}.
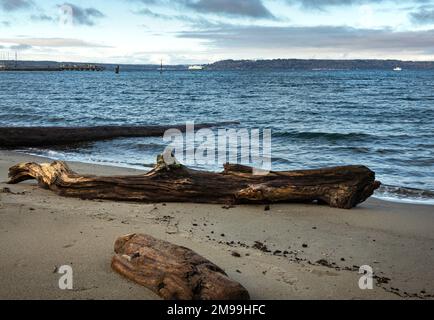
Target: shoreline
{"points": [[41, 231], [396, 199]]}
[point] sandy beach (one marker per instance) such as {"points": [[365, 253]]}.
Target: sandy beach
{"points": [[292, 251]]}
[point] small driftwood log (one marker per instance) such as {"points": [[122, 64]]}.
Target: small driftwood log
{"points": [[341, 187], [173, 272], [12, 137]]}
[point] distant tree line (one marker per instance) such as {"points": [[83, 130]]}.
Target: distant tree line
{"points": [[301, 64]]}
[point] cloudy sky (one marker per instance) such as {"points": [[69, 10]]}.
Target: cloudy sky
{"points": [[202, 31]]}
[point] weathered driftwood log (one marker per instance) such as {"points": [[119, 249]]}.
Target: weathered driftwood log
{"points": [[342, 187], [12, 137], [173, 272]]}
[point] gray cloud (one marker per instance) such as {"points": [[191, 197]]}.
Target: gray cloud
{"points": [[14, 5], [198, 22], [320, 4], [240, 8], [42, 17], [83, 16], [20, 47], [51, 42], [149, 13], [323, 4], [149, 1], [335, 38], [246, 8], [425, 15], [5, 23]]}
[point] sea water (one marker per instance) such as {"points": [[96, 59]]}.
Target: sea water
{"points": [[381, 119]]}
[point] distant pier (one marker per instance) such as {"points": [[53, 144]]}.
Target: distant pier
{"points": [[63, 67], [81, 67]]}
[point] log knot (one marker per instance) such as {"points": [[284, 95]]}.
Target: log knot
{"points": [[167, 162]]}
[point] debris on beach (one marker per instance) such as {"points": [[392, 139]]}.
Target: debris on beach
{"points": [[341, 187], [6, 190], [13, 137], [260, 246], [235, 254], [177, 273], [228, 207]]}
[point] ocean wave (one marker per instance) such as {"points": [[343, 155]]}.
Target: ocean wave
{"points": [[84, 158], [330, 136], [353, 149], [148, 146], [405, 194]]}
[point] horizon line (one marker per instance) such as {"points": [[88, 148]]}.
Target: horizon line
{"points": [[210, 63]]}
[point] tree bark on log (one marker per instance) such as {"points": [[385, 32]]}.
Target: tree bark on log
{"points": [[12, 137], [171, 271], [341, 187]]}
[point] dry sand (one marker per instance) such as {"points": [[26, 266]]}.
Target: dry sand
{"points": [[40, 231]]}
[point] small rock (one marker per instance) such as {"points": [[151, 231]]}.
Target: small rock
{"points": [[228, 207], [325, 263], [6, 190], [236, 254], [267, 208], [304, 245], [382, 280], [260, 246]]}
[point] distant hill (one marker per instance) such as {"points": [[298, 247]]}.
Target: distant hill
{"points": [[299, 64], [276, 64]]}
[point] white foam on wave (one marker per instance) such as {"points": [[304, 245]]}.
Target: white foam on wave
{"points": [[424, 201]]}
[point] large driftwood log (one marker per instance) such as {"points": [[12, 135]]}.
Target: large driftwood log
{"points": [[173, 272], [12, 137], [342, 187]]}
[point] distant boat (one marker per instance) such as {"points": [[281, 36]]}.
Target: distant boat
{"points": [[397, 69], [195, 68]]}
